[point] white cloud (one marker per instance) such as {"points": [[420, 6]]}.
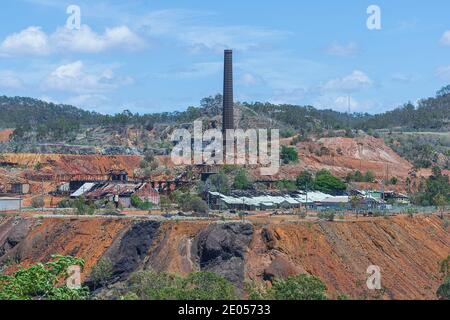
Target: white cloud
{"points": [[341, 103], [9, 80], [74, 77], [343, 50], [355, 81], [250, 79], [29, 41], [33, 41], [86, 40], [403, 78], [185, 28], [97, 102], [241, 38], [445, 40], [443, 73]]}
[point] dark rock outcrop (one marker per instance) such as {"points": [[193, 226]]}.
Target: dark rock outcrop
{"points": [[12, 234], [128, 251], [221, 249]]}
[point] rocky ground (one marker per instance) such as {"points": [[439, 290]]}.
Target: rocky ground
{"points": [[406, 249]]}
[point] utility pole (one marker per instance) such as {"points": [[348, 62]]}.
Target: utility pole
{"points": [[306, 203], [43, 199]]}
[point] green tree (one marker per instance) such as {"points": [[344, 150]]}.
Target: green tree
{"points": [[165, 203], [305, 180], [327, 183], [286, 185], [101, 273], [42, 281], [150, 285], [289, 154], [241, 181], [443, 291], [139, 204], [218, 183], [369, 177]]}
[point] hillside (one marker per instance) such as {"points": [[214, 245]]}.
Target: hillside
{"points": [[406, 249]]}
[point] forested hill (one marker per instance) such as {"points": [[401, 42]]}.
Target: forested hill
{"points": [[19, 111], [26, 113], [431, 113]]}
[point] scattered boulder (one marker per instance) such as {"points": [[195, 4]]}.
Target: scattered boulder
{"points": [[281, 268]]}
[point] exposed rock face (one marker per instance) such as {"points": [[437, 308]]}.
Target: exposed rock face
{"points": [[12, 232], [221, 249], [407, 250], [129, 252], [280, 268]]}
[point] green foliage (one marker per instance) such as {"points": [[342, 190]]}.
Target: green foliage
{"points": [[287, 133], [218, 183], [286, 185], [357, 176], [241, 181], [289, 154], [300, 287], [327, 215], [165, 203], [437, 190], [443, 291], [38, 166], [327, 183], [140, 204], [149, 285], [197, 205], [83, 207], [42, 282], [393, 181], [190, 202], [101, 272], [37, 202], [305, 180]]}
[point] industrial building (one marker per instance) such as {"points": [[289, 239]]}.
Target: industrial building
{"points": [[10, 204], [266, 201], [107, 190]]}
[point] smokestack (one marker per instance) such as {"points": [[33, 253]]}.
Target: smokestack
{"points": [[228, 105]]}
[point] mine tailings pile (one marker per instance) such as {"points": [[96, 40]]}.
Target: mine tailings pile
{"points": [[407, 250]]}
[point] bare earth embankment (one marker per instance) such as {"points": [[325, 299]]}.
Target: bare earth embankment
{"points": [[407, 250]]}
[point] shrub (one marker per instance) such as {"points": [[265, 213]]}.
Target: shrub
{"points": [[139, 204], [305, 180], [327, 215], [289, 154], [42, 281], [83, 207], [241, 181], [286, 185], [101, 272], [37, 202], [300, 287], [149, 285]]}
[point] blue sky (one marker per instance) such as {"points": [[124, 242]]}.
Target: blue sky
{"points": [[153, 56]]}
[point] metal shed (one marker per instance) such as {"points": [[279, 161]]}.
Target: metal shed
{"points": [[10, 204]]}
